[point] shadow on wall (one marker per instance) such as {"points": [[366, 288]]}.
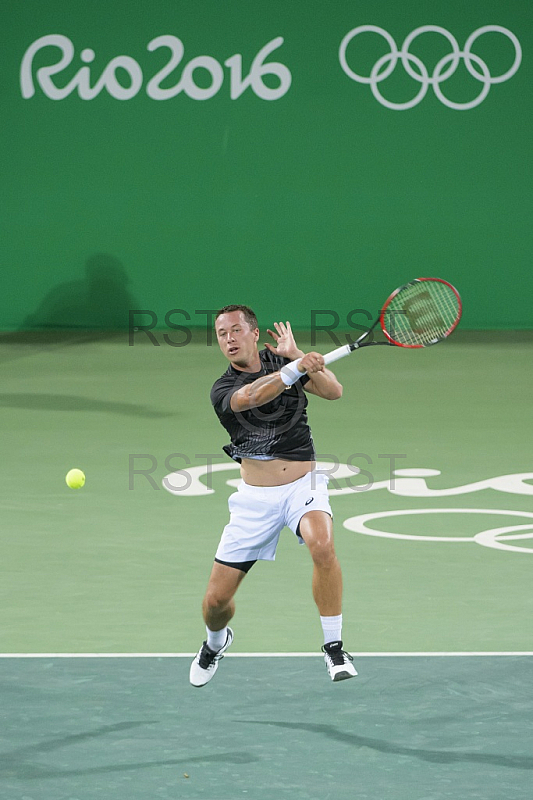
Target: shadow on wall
{"points": [[101, 300]]}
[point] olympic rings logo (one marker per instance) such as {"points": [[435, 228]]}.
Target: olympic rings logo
{"points": [[444, 69]]}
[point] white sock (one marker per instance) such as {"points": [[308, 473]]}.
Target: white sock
{"points": [[216, 639], [332, 627]]}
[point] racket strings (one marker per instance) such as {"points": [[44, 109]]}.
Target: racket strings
{"points": [[421, 313]]}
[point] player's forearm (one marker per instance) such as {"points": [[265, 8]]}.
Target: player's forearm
{"points": [[325, 384], [256, 394]]}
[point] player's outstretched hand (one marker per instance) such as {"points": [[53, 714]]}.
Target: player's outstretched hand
{"points": [[285, 342], [311, 363]]}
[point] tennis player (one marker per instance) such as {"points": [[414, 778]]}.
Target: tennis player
{"points": [[261, 403]]}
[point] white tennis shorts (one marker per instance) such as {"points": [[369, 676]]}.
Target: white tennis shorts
{"points": [[259, 513]]}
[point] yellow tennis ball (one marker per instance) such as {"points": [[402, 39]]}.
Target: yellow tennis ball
{"points": [[75, 479]]}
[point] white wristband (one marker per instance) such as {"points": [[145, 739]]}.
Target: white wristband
{"points": [[290, 373]]}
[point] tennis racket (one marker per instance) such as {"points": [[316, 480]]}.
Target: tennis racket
{"points": [[421, 313]]}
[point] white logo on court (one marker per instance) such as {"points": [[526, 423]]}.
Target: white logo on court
{"points": [[495, 538], [417, 70], [404, 483]]}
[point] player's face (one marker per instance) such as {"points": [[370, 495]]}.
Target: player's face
{"points": [[237, 340]]}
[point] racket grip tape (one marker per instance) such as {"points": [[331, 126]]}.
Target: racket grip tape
{"points": [[340, 352]]}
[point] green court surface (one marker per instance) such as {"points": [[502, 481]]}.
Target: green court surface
{"points": [[120, 567], [110, 568]]}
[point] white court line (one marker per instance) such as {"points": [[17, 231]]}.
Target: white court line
{"points": [[267, 655]]}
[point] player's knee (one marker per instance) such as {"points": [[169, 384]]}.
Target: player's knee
{"points": [[322, 552], [215, 600]]}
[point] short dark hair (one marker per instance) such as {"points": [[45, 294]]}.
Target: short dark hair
{"points": [[249, 315]]}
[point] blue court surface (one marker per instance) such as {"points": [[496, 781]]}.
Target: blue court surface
{"points": [[419, 728]]}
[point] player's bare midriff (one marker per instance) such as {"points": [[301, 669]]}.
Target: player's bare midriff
{"points": [[277, 472]]}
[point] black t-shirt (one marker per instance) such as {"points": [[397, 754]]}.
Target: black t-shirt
{"points": [[277, 429]]}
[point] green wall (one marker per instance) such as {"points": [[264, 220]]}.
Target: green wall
{"points": [[321, 198]]}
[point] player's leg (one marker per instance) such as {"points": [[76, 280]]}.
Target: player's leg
{"points": [[218, 605], [252, 533], [316, 529], [218, 608]]}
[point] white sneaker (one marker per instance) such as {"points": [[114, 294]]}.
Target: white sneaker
{"points": [[338, 662], [206, 661]]}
